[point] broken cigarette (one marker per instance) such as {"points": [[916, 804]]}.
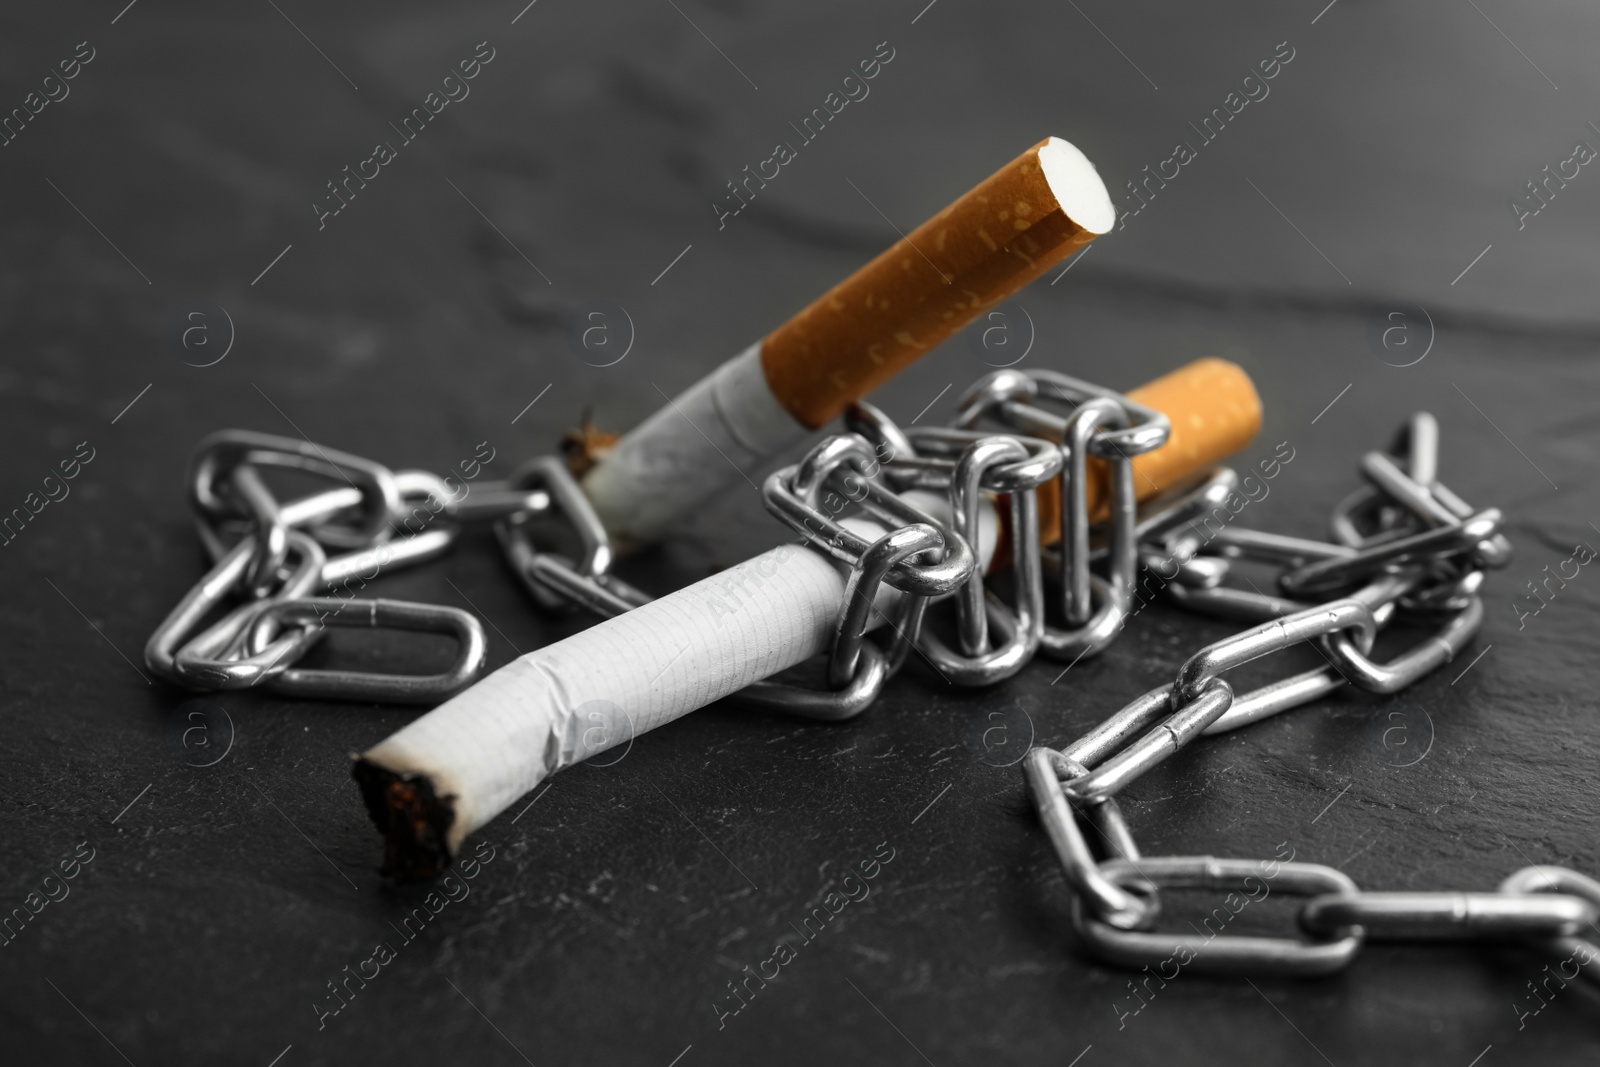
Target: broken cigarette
{"points": [[453, 770], [1018, 223]]}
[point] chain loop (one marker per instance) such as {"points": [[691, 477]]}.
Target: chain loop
{"points": [[787, 492], [997, 462], [1332, 574], [1093, 627], [213, 659], [1216, 952], [259, 641], [1450, 916], [555, 581], [861, 591], [1180, 725], [1045, 770], [226, 577], [1549, 879], [318, 612], [1275, 636], [1426, 657], [1013, 398], [218, 454]]}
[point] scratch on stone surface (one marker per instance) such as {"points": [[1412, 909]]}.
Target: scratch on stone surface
{"points": [[1260, 299], [873, 954], [1361, 851], [978, 878], [923, 981], [1013, 789], [259, 186], [562, 903], [650, 95], [819, 231], [1549, 540]]}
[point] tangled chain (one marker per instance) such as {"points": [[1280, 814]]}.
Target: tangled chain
{"points": [[1403, 545]]}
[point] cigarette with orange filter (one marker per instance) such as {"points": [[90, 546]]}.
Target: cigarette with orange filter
{"points": [[451, 771], [1008, 230], [1215, 412]]}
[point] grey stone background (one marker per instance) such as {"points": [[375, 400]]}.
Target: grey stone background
{"points": [[1376, 177]]}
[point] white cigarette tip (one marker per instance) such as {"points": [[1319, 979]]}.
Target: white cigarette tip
{"points": [[1077, 186]]}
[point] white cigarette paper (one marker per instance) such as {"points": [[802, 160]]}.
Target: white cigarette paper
{"points": [[681, 454], [598, 689]]}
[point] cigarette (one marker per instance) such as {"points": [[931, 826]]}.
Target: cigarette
{"points": [[1011, 228], [1215, 412], [450, 772]]}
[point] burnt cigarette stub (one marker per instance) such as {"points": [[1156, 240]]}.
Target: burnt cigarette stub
{"points": [[414, 819], [446, 774], [1024, 219], [1017, 224]]}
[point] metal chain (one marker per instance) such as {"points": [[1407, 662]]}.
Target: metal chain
{"points": [[1404, 543], [270, 556]]}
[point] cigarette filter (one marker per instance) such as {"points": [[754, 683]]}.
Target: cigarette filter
{"points": [[1214, 411], [453, 770], [1011, 228]]}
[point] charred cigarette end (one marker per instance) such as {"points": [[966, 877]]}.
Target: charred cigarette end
{"points": [[1030, 215], [584, 447], [414, 820]]}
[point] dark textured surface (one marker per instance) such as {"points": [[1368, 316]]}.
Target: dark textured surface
{"points": [[613, 912]]}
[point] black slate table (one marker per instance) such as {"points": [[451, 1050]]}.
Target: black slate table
{"points": [[184, 169]]}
